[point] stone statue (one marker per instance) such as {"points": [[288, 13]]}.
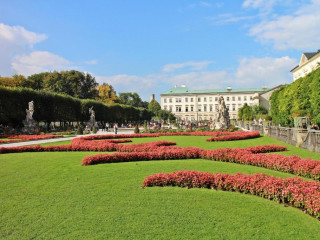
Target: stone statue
{"points": [[221, 119], [30, 111], [30, 125], [92, 122], [92, 114]]}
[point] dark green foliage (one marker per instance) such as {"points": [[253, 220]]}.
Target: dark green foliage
{"points": [[300, 98], [94, 130], [53, 107], [136, 129], [79, 130]]}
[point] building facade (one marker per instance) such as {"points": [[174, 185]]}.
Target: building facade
{"points": [[309, 62], [199, 105]]}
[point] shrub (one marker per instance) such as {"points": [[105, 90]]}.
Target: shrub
{"points": [[136, 129]]}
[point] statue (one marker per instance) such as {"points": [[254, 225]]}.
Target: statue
{"points": [[92, 122], [30, 111], [30, 125], [221, 119], [92, 114]]}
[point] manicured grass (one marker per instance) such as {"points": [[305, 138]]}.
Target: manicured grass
{"points": [[49, 195]]}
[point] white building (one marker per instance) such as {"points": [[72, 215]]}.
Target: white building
{"points": [[309, 62], [197, 105]]}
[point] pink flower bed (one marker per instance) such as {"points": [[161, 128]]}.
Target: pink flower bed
{"points": [[293, 191], [21, 138]]}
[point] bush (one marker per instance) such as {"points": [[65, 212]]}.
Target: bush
{"points": [[79, 130], [94, 130], [136, 129]]}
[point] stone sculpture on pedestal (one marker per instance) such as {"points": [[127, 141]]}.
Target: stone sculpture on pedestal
{"points": [[221, 120], [30, 125], [92, 122]]}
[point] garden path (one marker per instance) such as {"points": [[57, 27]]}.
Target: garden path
{"points": [[100, 132]]}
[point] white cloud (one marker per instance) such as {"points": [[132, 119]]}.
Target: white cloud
{"points": [[38, 61], [17, 35], [13, 40], [298, 30], [192, 65], [228, 18], [263, 5], [18, 55], [264, 71], [91, 62]]}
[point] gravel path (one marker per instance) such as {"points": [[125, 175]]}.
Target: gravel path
{"points": [[18, 144]]}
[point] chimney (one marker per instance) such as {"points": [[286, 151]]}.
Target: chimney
{"points": [[183, 85], [229, 88], [151, 97]]}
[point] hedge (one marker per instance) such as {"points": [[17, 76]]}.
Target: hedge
{"points": [[300, 98], [53, 107]]}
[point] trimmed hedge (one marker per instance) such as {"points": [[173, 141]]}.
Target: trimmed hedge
{"points": [[53, 107]]}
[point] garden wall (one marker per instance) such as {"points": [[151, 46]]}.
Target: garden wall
{"points": [[307, 139]]}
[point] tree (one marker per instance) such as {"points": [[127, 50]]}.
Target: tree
{"points": [[106, 94], [14, 81], [73, 83], [132, 99], [154, 106], [35, 81], [245, 113]]}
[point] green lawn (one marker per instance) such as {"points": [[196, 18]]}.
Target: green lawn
{"points": [[51, 196]]}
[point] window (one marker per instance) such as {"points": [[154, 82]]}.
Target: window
{"points": [[205, 118], [187, 119], [199, 108], [170, 108], [216, 107], [170, 100], [191, 99], [205, 108], [192, 118], [228, 106], [200, 118], [165, 100], [187, 108], [210, 108], [186, 99], [205, 99], [216, 98], [165, 108], [239, 105], [191, 108], [227, 98], [245, 98], [178, 99], [178, 108], [251, 97], [239, 98], [199, 99], [210, 99], [233, 98], [233, 107]]}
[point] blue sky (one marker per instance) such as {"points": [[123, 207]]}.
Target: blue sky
{"points": [[148, 46]]}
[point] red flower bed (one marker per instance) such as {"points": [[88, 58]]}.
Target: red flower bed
{"points": [[160, 153], [293, 191], [234, 136], [20, 138]]}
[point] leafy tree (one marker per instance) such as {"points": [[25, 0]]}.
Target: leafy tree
{"points": [[35, 81], [14, 81], [154, 106], [245, 113], [132, 99], [106, 94], [73, 83]]}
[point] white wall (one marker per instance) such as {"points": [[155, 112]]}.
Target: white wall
{"points": [[307, 68]]}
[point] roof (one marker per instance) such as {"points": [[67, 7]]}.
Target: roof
{"points": [[310, 54], [185, 90]]}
